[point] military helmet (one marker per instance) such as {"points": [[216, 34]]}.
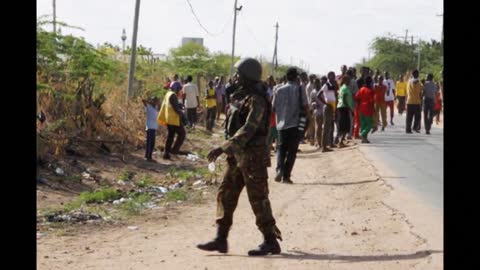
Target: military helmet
{"points": [[250, 68]]}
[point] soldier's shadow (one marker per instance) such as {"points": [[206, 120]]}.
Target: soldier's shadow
{"points": [[300, 255]]}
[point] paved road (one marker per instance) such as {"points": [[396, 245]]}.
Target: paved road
{"points": [[413, 160]]}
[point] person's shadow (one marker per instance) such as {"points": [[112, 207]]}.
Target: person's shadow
{"points": [[300, 255]]}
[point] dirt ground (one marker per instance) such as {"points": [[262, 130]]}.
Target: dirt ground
{"points": [[334, 216]]}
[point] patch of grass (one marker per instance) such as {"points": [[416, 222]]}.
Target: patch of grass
{"points": [[126, 175], [188, 174], [202, 134], [72, 205], [176, 195], [135, 205], [73, 178], [102, 195], [181, 173], [203, 171], [145, 181], [202, 153]]}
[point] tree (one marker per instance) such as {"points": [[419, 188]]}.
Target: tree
{"points": [[140, 50], [399, 57], [392, 55], [68, 71], [191, 59], [221, 64]]}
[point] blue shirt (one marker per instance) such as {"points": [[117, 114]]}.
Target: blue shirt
{"points": [[152, 114]]}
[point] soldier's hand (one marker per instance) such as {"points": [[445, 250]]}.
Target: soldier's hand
{"points": [[214, 154]]}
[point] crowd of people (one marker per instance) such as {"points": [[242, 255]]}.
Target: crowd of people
{"points": [[277, 116], [335, 109]]}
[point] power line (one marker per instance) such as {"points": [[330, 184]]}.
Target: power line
{"points": [[203, 27], [249, 30]]}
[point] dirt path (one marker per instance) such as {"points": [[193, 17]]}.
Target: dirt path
{"points": [[333, 217]]}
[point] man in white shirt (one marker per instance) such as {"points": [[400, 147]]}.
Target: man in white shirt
{"points": [[389, 94], [191, 101]]}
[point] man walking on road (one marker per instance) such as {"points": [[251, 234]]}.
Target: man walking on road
{"points": [[365, 99], [429, 92], [414, 101], [211, 106], [247, 159], [191, 101], [380, 105], [401, 93], [356, 114], [171, 115], [288, 101], [390, 95]]}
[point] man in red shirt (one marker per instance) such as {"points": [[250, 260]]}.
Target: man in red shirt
{"points": [[380, 104], [365, 101]]}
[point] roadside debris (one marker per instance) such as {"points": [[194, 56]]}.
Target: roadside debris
{"points": [[73, 217], [159, 189], [211, 166], [59, 171], [192, 157], [198, 183]]}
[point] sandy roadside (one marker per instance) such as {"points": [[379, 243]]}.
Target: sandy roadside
{"points": [[338, 215]]}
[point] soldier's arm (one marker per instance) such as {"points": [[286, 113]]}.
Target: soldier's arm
{"points": [[247, 131]]}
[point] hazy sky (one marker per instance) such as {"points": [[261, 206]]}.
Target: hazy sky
{"points": [[321, 34]]}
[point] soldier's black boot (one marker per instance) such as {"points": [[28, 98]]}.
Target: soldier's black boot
{"points": [[269, 246], [219, 244]]}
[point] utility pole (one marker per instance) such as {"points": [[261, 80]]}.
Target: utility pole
{"points": [[124, 38], [406, 35], [235, 9], [54, 17], [131, 72], [275, 60]]}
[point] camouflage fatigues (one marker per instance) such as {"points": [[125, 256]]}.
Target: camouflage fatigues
{"points": [[248, 159]]}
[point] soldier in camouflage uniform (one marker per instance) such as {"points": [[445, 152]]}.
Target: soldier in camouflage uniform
{"points": [[248, 159]]}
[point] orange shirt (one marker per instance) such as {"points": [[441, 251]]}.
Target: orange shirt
{"points": [[380, 90], [365, 97]]}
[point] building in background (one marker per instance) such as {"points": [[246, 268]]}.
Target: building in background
{"points": [[186, 40]]}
